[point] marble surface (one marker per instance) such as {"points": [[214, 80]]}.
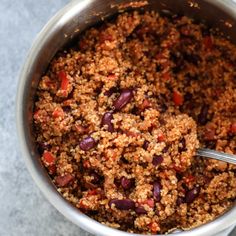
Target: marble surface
{"points": [[23, 209]]}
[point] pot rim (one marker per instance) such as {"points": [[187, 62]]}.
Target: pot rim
{"points": [[54, 197]]}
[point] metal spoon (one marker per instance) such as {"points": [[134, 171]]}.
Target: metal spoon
{"points": [[221, 156]]}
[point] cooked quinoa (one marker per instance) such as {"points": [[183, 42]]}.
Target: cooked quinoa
{"points": [[119, 116]]}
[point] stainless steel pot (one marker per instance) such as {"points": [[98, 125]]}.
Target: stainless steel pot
{"points": [[67, 24]]}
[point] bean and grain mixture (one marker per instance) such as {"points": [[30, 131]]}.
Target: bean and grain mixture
{"points": [[119, 116]]}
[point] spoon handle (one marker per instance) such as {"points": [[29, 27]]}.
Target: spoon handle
{"points": [[221, 156]]}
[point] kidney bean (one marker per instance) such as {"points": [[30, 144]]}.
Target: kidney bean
{"points": [[123, 160], [125, 204], [165, 149], [66, 109], [192, 58], [42, 147], [209, 134], [163, 108], [106, 120], [96, 178], [205, 31], [124, 98], [179, 201], [182, 146], [188, 96], [202, 117], [87, 143], [157, 160], [140, 210], [145, 144], [157, 191], [191, 195], [126, 183], [63, 181], [111, 91]]}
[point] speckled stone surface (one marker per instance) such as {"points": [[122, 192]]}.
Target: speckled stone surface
{"points": [[23, 209]]}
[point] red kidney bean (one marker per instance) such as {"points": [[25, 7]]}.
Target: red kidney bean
{"points": [[191, 195], [188, 96], [42, 147], [111, 91], [182, 147], [163, 108], [124, 98], [145, 144], [66, 109], [96, 178], [117, 182], [140, 210], [192, 58], [157, 160], [165, 149], [202, 117], [157, 191], [179, 201], [87, 143], [126, 183], [125, 204], [63, 181], [106, 120]]}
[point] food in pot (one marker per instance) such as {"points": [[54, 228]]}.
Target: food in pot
{"points": [[119, 116]]}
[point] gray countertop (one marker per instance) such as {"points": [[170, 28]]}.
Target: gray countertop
{"points": [[23, 209]]}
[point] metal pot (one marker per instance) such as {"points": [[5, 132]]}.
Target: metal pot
{"points": [[66, 25]]}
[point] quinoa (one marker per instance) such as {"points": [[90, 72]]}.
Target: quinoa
{"points": [[120, 115]]}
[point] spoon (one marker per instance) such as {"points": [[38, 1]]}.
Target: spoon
{"points": [[221, 156]]}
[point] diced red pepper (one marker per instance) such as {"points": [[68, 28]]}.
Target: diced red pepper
{"points": [[48, 158], [80, 129], [161, 137], [92, 192], [178, 98], [105, 37], [58, 112], [189, 179], [131, 133], [64, 180], [149, 202], [36, 114], [82, 204], [177, 168], [154, 227], [145, 104], [86, 164], [64, 80], [160, 56], [52, 169], [207, 41], [233, 128], [83, 44], [166, 76], [111, 77]]}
